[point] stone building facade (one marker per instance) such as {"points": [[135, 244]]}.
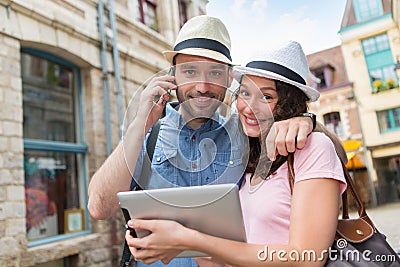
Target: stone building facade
{"points": [[68, 70]]}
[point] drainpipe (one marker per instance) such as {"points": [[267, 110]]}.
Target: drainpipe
{"points": [[116, 65], [364, 148], [104, 76]]}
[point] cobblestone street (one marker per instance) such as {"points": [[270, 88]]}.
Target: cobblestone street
{"points": [[387, 220]]}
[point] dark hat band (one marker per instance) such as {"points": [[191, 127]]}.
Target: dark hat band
{"points": [[278, 69], [204, 43]]}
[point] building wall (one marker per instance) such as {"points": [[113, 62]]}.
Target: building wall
{"points": [[382, 147], [349, 17], [337, 96], [396, 11], [357, 71], [341, 100], [337, 100], [12, 200], [69, 29], [336, 90]]}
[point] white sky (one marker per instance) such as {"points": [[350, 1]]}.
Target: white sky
{"points": [[258, 25]]}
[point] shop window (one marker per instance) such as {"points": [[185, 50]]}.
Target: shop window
{"points": [[389, 120], [147, 13], [333, 123], [367, 9], [54, 149]]}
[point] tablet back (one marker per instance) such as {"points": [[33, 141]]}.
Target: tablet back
{"points": [[211, 209]]}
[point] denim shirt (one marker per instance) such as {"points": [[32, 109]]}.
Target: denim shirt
{"points": [[212, 154]]}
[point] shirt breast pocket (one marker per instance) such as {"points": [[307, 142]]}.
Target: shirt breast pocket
{"points": [[228, 169], [164, 171]]}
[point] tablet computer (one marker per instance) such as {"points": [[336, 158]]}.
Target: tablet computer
{"points": [[210, 209]]}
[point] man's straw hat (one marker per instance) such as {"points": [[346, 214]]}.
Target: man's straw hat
{"points": [[203, 36]]}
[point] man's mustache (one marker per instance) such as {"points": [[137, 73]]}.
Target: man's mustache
{"points": [[200, 94]]}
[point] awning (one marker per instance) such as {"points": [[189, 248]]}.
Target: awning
{"points": [[353, 161], [351, 145]]}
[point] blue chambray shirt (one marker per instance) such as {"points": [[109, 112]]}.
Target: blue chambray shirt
{"points": [[182, 156]]}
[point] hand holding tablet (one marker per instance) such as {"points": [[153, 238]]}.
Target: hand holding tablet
{"points": [[211, 209]]}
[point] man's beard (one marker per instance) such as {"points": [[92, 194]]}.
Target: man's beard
{"points": [[194, 111]]}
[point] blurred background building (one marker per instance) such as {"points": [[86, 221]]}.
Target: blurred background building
{"points": [[360, 95], [68, 70], [338, 111]]}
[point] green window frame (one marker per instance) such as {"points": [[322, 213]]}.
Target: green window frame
{"points": [[389, 120], [367, 9], [54, 148], [379, 59]]}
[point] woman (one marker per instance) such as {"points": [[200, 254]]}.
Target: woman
{"points": [[280, 225]]}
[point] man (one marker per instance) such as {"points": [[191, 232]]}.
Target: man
{"points": [[195, 145]]}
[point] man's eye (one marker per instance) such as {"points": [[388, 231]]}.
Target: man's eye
{"points": [[243, 93], [189, 72], [215, 74]]}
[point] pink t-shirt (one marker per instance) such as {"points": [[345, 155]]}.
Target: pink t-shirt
{"points": [[266, 206]]}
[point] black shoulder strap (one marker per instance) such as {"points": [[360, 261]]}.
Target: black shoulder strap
{"points": [[143, 180], [146, 165], [126, 258], [151, 142]]}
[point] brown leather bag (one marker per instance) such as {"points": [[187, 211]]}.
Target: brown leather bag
{"points": [[357, 242]]}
